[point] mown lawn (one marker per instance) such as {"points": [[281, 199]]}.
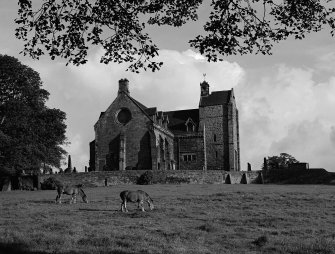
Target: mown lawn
{"points": [[187, 219]]}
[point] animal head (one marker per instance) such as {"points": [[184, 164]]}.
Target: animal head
{"points": [[85, 199]]}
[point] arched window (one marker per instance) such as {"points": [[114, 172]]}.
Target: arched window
{"points": [[190, 125], [123, 116]]}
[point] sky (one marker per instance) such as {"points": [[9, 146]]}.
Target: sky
{"points": [[286, 101]]}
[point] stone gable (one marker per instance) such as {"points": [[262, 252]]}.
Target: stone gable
{"points": [[128, 135]]}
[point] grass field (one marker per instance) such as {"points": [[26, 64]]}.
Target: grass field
{"points": [[186, 219]]}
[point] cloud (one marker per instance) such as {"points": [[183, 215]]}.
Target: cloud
{"points": [[332, 135], [282, 109], [77, 151], [286, 110], [326, 62], [83, 92], [307, 141]]}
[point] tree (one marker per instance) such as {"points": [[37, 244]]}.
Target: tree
{"points": [[281, 161], [66, 28], [31, 134]]}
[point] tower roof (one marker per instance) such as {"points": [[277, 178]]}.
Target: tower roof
{"points": [[215, 98]]}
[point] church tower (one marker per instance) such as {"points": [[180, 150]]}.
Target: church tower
{"points": [[218, 115]]}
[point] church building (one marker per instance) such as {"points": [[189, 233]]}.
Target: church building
{"points": [[129, 135]]}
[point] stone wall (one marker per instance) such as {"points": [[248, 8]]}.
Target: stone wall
{"points": [[213, 119], [95, 179], [191, 147], [134, 135], [233, 135]]}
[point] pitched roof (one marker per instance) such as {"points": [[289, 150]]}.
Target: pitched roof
{"points": [[138, 103], [151, 111], [215, 98], [178, 118]]}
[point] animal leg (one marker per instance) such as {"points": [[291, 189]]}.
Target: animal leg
{"points": [[142, 207], [58, 199], [74, 198], [125, 206]]}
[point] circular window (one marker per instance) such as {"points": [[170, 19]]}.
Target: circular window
{"points": [[124, 116]]}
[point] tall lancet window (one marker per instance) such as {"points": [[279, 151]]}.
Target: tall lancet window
{"points": [[190, 125]]}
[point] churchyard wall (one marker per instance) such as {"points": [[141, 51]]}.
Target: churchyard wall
{"points": [[106, 178]]}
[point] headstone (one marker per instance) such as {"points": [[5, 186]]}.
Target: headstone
{"points": [[7, 186], [228, 180], [69, 163], [244, 179], [265, 164]]}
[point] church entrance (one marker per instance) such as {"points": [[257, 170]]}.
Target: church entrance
{"points": [[112, 161]]}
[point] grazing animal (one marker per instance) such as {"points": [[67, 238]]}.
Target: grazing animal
{"points": [[71, 190], [138, 196]]}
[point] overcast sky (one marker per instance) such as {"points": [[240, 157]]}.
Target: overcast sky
{"points": [[286, 101]]}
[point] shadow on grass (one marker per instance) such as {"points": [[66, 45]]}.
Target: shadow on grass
{"points": [[17, 248], [136, 214], [22, 248], [97, 210], [43, 201]]}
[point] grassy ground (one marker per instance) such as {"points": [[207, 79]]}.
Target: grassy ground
{"points": [[187, 219]]}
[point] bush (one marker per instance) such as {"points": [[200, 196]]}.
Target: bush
{"points": [[146, 178], [50, 184]]}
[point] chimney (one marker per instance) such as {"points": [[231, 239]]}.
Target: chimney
{"points": [[123, 86]]}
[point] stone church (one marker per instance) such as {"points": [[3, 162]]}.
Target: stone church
{"points": [[129, 135]]}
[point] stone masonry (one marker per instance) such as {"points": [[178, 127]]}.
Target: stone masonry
{"points": [[129, 135]]}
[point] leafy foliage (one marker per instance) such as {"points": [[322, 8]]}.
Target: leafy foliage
{"points": [[31, 133], [146, 178], [242, 27], [280, 162], [50, 184], [67, 28]]}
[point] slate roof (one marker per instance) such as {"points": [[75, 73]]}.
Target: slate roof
{"points": [[139, 104], [151, 111], [178, 118], [144, 108], [215, 98]]}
